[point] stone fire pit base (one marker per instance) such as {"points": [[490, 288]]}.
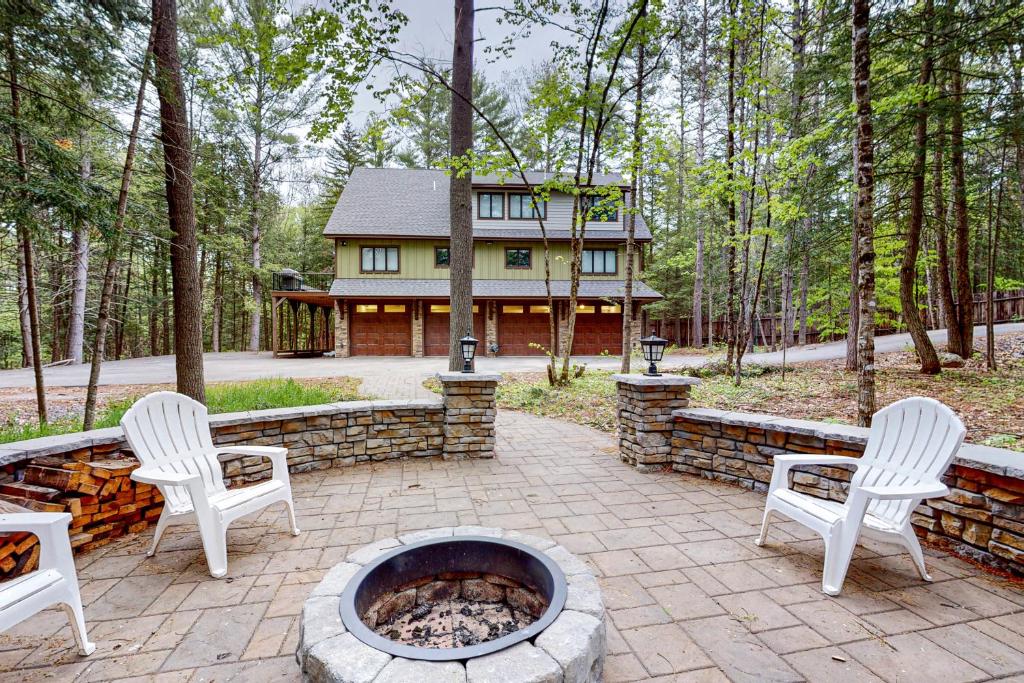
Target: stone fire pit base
{"points": [[570, 650]]}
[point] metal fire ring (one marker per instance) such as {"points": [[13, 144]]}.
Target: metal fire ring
{"points": [[481, 554]]}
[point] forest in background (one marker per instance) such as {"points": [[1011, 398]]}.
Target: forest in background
{"points": [[743, 153]]}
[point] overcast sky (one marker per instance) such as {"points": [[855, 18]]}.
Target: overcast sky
{"points": [[428, 33]]}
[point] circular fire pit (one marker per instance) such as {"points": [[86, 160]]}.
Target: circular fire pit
{"points": [[465, 604]]}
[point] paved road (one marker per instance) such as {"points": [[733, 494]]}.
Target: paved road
{"points": [[394, 377]]}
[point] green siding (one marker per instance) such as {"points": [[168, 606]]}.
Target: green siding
{"points": [[416, 260]]}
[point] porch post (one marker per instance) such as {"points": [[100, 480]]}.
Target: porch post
{"points": [[275, 325], [490, 327], [341, 345]]}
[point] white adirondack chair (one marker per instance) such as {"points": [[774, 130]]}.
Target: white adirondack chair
{"points": [[170, 435], [910, 445], [55, 582]]}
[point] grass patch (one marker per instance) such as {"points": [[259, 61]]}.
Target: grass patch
{"points": [[991, 404], [225, 397]]}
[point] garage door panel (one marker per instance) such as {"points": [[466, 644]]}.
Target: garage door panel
{"points": [[519, 326], [596, 333], [436, 329], [381, 330]]}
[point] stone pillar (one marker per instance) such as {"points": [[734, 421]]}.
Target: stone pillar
{"points": [[417, 329], [341, 345], [490, 327], [637, 325], [645, 406], [469, 410], [562, 321]]}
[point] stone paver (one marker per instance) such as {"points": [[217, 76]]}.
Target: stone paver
{"points": [[689, 595]]}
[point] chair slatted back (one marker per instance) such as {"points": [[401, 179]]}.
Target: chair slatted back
{"points": [[911, 441], [164, 426]]}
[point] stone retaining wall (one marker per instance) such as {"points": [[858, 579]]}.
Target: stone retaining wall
{"points": [[982, 518], [106, 504]]}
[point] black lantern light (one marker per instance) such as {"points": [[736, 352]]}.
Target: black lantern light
{"points": [[654, 349], [468, 344]]}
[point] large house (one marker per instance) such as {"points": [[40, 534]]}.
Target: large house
{"points": [[390, 288]]}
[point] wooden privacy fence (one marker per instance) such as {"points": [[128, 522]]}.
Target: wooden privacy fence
{"points": [[1008, 307]]}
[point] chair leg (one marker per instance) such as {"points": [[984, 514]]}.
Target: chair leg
{"points": [[764, 527], [291, 516], [839, 549], [161, 527], [76, 617], [215, 545], [913, 546]]}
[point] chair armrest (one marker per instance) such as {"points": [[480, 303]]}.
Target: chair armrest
{"points": [[277, 454], [791, 459], [51, 528], [928, 489], [259, 451], [153, 475], [785, 461], [32, 522]]}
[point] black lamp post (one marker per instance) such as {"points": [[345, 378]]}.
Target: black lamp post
{"points": [[654, 349], [468, 344]]}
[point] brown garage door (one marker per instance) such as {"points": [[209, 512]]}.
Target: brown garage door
{"points": [[436, 329], [519, 325], [381, 329], [598, 330]]}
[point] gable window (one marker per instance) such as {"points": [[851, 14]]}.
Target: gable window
{"points": [[442, 257], [379, 260], [521, 207], [517, 257], [490, 205], [600, 209], [600, 261]]}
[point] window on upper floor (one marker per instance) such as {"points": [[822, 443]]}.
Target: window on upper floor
{"points": [[490, 205], [442, 257], [379, 260], [600, 261], [521, 207], [600, 209], [517, 257]]}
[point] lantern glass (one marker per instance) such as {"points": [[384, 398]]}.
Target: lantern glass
{"points": [[468, 344], [654, 350]]}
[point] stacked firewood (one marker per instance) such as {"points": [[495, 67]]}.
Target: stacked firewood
{"points": [[103, 501]]}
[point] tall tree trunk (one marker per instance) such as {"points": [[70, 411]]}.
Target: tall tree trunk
{"points": [[460, 270], [79, 272], [636, 165], [865, 213], [122, 317], [805, 272], [702, 103], [990, 275], [256, 235], [218, 301], [23, 318], [730, 156], [908, 268], [174, 134], [961, 248], [154, 301], [947, 310], [24, 232], [853, 329], [113, 248], [796, 106]]}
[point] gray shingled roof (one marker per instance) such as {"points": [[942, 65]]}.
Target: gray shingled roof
{"points": [[412, 202], [485, 289]]}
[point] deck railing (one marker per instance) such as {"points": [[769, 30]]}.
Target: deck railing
{"points": [[303, 282]]}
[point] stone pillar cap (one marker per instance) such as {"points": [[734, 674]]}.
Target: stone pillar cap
{"points": [[450, 376], [659, 381]]}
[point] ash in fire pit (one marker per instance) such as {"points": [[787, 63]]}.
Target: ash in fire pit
{"points": [[452, 610]]}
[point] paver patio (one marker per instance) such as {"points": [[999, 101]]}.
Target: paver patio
{"points": [[690, 596]]}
